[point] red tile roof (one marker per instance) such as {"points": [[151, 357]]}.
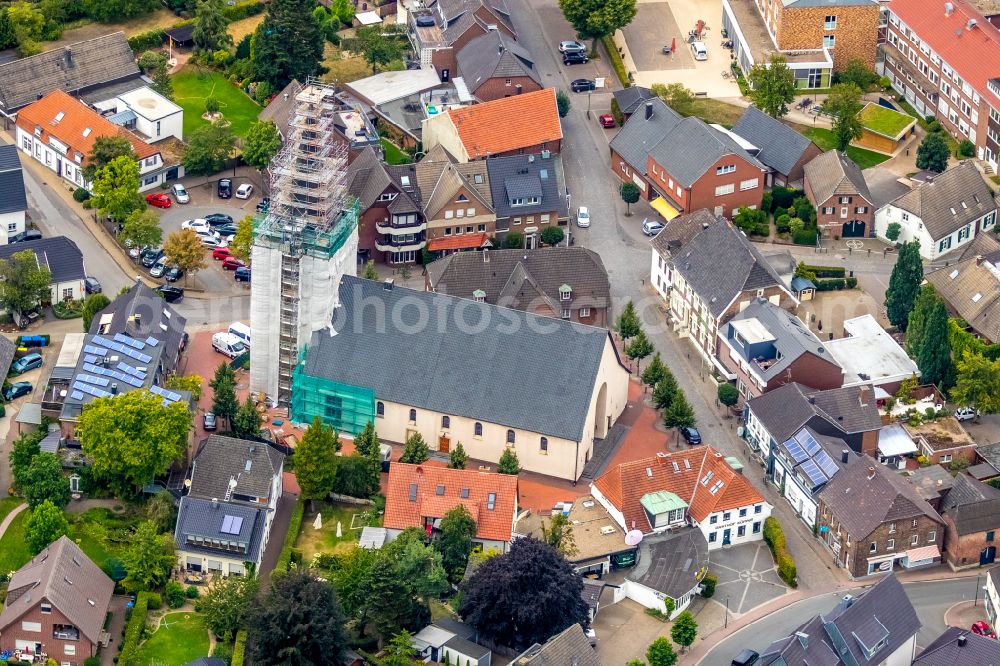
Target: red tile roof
{"points": [[462, 242], [518, 121], [494, 524], [72, 128], [974, 54], [625, 485]]}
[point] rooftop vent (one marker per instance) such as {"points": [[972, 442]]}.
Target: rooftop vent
{"points": [[948, 8], [971, 24]]}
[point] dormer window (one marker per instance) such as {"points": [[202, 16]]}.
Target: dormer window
{"points": [[479, 295], [565, 292]]}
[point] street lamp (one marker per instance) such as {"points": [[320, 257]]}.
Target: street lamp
{"points": [[976, 601], [726, 624]]}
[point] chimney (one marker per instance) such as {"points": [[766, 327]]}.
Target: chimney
{"points": [[114, 389], [285, 95], [948, 8], [979, 260], [215, 502], [387, 285], [519, 88], [812, 400], [962, 640], [649, 110], [863, 395], [871, 473], [845, 455], [69, 57]]}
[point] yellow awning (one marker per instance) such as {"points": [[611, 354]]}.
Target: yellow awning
{"points": [[661, 206]]}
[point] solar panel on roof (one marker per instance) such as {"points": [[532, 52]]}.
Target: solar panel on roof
{"points": [[130, 341], [795, 451], [231, 524], [135, 382], [152, 342], [169, 395], [90, 358], [814, 473], [826, 463], [76, 395], [809, 443]]}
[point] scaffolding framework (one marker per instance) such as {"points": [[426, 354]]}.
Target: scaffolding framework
{"points": [[305, 242]]}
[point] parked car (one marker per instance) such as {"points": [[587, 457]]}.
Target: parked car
{"points": [[966, 413], [158, 200], [217, 219], [228, 344], [242, 274], [980, 627], [159, 268], [16, 390], [244, 191], [150, 256], [180, 193], [26, 363], [225, 190], [220, 253], [699, 51], [174, 274], [211, 242], [691, 435], [91, 285], [651, 227], [607, 120], [28, 235], [209, 422], [582, 217], [170, 294], [226, 230], [231, 264], [581, 85], [133, 250], [570, 46], [575, 58], [746, 658], [198, 224]]}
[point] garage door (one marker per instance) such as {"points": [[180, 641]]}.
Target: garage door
{"points": [[853, 229]]}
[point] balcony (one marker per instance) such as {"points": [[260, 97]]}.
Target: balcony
{"points": [[391, 246], [65, 632], [399, 228]]}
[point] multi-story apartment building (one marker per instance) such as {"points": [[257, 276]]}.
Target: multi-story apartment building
{"points": [[944, 57]]}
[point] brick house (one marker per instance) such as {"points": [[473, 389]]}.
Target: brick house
{"points": [[495, 66], [872, 520], [686, 163], [57, 604], [836, 187], [529, 195], [971, 286], [943, 441], [439, 29], [767, 347], [971, 513], [455, 202], [518, 125], [777, 146], [707, 272]]}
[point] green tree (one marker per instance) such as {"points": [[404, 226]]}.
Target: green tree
{"points": [[162, 512], [116, 188], [132, 438], [727, 394], [627, 323], [367, 441], [679, 414], [261, 144], [594, 19], [106, 149], [43, 481], [243, 239], [858, 73], [148, 558], [892, 231], [843, 104], [28, 22], [638, 348], [904, 283], [654, 372], [773, 86], [552, 236], [381, 44], [977, 385], [316, 460], [630, 193], [661, 653], [934, 358], [509, 464], [933, 152], [44, 524], [183, 249], [514, 240], [161, 81], [142, 229], [559, 535], [966, 148], [224, 373], [148, 62], [925, 302], [23, 451], [189, 383], [636, 662], [458, 528], [562, 103], [676, 95], [664, 391], [356, 476], [685, 629], [415, 450], [370, 272], [211, 28], [343, 11], [457, 459], [23, 282], [247, 422], [211, 104], [288, 44], [8, 37], [209, 147]]}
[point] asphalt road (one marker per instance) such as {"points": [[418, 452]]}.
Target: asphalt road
{"points": [[930, 599]]}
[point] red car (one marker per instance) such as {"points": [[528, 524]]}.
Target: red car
{"points": [[606, 120], [232, 263], [980, 627], [159, 200], [221, 253]]}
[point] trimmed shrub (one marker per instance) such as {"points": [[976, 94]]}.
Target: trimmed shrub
{"points": [[239, 647], [784, 196], [145, 41], [708, 584], [826, 271], [285, 558], [834, 284], [133, 630], [616, 112], [786, 569], [783, 223], [774, 537], [616, 60], [851, 282], [92, 661], [154, 601], [779, 211], [805, 237], [80, 195], [175, 594], [243, 10], [767, 202], [192, 592]]}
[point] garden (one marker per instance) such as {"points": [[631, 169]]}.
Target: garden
{"points": [[351, 519], [180, 638], [193, 85], [793, 214], [825, 139], [884, 121]]}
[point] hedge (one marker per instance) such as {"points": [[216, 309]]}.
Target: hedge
{"points": [[616, 60], [826, 271], [285, 558], [774, 537], [133, 630], [239, 647], [708, 584], [145, 41], [804, 237], [836, 284], [242, 10]]}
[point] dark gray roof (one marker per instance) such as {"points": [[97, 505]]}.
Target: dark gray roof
{"points": [[553, 391], [141, 312], [680, 230], [568, 648], [973, 505], [845, 636], [73, 69], [990, 453], [639, 135], [932, 481], [671, 566], [780, 146], [945, 650], [787, 408], [949, 201], [59, 254], [12, 197], [494, 55], [591, 593], [832, 446], [205, 518], [866, 494], [7, 351], [630, 99], [515, 279], [456, 627], [368, 178], [207, 661], [834, 173], [253, 464], [466, 647], [982, 471], [279, 111], [691, 147], [524, 176], [884, 185], [719, 264]]}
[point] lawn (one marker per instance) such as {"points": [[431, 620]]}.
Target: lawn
{"points": [[13, 551], [884, 121], [101, 534], [825, 140], [393, 155], [180, 638], [324, 540], [717, 111], [7, 505], [240, 29], [192, 85]]}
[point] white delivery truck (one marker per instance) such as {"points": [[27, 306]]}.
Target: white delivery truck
{"points": [[228, 344], [241, 331]]}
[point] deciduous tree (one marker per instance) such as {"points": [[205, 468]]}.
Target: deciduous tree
{"points": [[315, 460], [509, 464], [978, 383], [679, 414], [415, 450], [630, 193], [211, 29], [23, 451], [684, 630], [261, 144], [23, 282], [228, 603], [381, 44], [116, 188], [552, 236], [189, 383], [162, 512], [8, 38], [773, 86], [655, 371], [184, 249], [728, 394], [243, 239], [858, 73], [148, 558], [676, 95], [638, 348], [355, 476], [246, 423], [933, 152], [104, 150], [843, 104], [458, 528], [627, 323], [594, 19], [457, 459], [208, 148], [366, 440], [661, 653], [904, 283], [44, 524], [370, 272], [43, 481], [288, 44], [559, 534], [142, 229], [563, 103]]}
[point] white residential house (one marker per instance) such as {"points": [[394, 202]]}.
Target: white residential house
{"points": [[63, 259], [145, 112]]}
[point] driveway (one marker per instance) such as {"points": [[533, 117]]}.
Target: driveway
{"points": [[624, 630], [653, 28], [747, 576], [115, 627]]}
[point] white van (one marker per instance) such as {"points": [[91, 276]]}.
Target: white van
{"points": [[241, 331], [699, 50], [228, 344]]}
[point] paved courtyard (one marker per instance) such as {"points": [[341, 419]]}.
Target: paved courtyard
{"points": [[653, 28], [747, 576]]}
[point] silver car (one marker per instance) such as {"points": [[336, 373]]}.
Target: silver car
{"points": [[159, 268], [651, 227], [180, 194], [582, 217]]}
